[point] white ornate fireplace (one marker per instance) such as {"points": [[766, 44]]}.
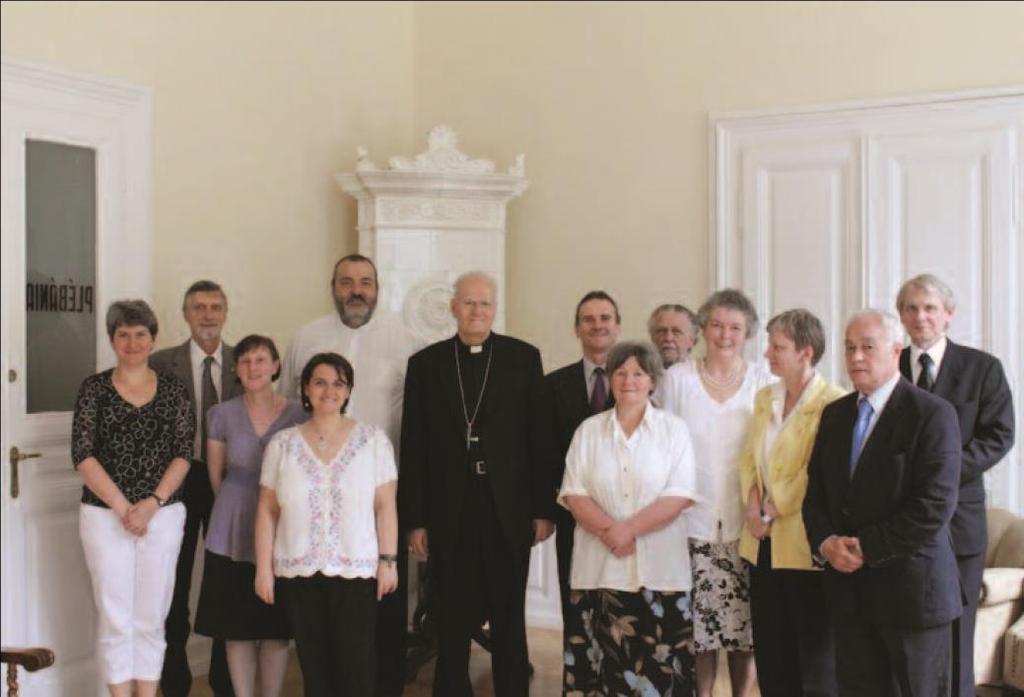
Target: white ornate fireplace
{"points": [[427, 219]]}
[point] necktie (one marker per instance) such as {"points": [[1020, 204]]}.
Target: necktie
{"points": [[924, 380], [207, 400], [599, 395], [860, 430]]}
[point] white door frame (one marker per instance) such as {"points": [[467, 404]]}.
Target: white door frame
{"points": [[115, 119]]}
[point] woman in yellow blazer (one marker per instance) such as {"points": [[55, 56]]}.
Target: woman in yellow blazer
{"points": [[792, 637]]}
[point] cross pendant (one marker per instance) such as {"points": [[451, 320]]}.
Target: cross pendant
{"points": [[470, 438]]}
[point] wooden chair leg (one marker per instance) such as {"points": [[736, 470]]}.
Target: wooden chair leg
{"points": [[12, 680], [31, 659]]}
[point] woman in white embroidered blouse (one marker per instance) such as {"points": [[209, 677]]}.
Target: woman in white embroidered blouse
{"points": [[715, 397], [327, 532], [629, 474]]}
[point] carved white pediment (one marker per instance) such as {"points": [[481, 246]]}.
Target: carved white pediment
{"points": [[442, 155]]}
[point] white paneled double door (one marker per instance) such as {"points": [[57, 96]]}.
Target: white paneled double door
{"points": [[831, 208]]}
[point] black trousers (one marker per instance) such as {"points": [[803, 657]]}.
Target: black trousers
{"points": [[392, 631], [971, 568], [884, 661], [176, 678], [565, 532], [333, 621], [793, 645], [482, 577]]}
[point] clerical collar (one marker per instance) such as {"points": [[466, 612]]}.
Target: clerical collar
{"points": [[474, 349]]}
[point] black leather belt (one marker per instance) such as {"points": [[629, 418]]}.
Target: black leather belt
{"points": [[479, 467]]}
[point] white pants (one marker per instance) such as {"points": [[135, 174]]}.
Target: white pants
{"points": [[132, 584]]}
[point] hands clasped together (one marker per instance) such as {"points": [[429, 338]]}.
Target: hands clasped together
{"points": [[843, 553], [619, 538], [135, 517]]}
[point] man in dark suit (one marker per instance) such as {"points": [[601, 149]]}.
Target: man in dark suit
{"points": [[974, 383], [883, 478], [207, 367], [474, 488], [576, 392]]}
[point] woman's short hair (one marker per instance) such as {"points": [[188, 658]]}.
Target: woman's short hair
{"points": [[645, 354], [802, 328], [130, 313], [731, 299], [257, 341], [336, 361]]}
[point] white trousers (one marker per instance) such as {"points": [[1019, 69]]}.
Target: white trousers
{"points": [[132, 584]]}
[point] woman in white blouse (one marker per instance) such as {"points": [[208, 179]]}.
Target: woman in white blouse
{"points": [[327, 532], [715, 397], [629, 474]]}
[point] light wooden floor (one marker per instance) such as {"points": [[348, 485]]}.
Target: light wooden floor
{"points": [[545, 655]]}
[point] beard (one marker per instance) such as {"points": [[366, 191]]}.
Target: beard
{"points": [[355, 314]]}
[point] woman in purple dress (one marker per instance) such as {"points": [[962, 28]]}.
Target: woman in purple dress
{"points": [[256, 635]]}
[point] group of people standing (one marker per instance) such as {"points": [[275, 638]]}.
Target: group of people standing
{"points": [[701, 505], [296, 501]]}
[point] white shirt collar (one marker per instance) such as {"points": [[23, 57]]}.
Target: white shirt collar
{"points": [[646, 422], [880, 397], [588, 369], [197, 354], [937, 351]]}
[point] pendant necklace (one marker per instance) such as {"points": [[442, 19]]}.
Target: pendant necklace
{"points": [[470, 438]]}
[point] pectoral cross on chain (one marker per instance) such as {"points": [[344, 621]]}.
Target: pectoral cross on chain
{"points": [[470, 438]]}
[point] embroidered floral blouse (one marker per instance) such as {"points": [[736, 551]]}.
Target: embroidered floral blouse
{"points": [[327, 522]]}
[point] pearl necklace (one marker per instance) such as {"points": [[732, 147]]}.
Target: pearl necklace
{"points": [[714, 382]]}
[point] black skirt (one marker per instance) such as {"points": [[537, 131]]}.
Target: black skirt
{"points": [[229, 607]]}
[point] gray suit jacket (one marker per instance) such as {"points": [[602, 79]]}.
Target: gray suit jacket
{"points": [[177, 361]]}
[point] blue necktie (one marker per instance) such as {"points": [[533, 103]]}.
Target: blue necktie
{"points": [[860, 430]]}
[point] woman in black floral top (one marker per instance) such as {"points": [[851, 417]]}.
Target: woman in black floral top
{"points": [[131, 442]]}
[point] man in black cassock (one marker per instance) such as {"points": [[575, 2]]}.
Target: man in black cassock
{"points": [[475, 489]]}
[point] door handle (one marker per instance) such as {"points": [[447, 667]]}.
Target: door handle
{"points": [[16, 457]]}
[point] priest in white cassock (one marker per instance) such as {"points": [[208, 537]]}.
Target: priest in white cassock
{"points": [[378, 346]]}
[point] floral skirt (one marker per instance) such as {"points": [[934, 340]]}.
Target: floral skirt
{"points": [[721, 598], [622, 643]]}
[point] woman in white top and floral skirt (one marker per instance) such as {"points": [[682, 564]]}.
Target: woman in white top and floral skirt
{"points": [[327, 532], [629, 475], [715, 397]]}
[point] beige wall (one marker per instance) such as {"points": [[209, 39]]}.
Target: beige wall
{"points": [[610, 102], [257, 104]]}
